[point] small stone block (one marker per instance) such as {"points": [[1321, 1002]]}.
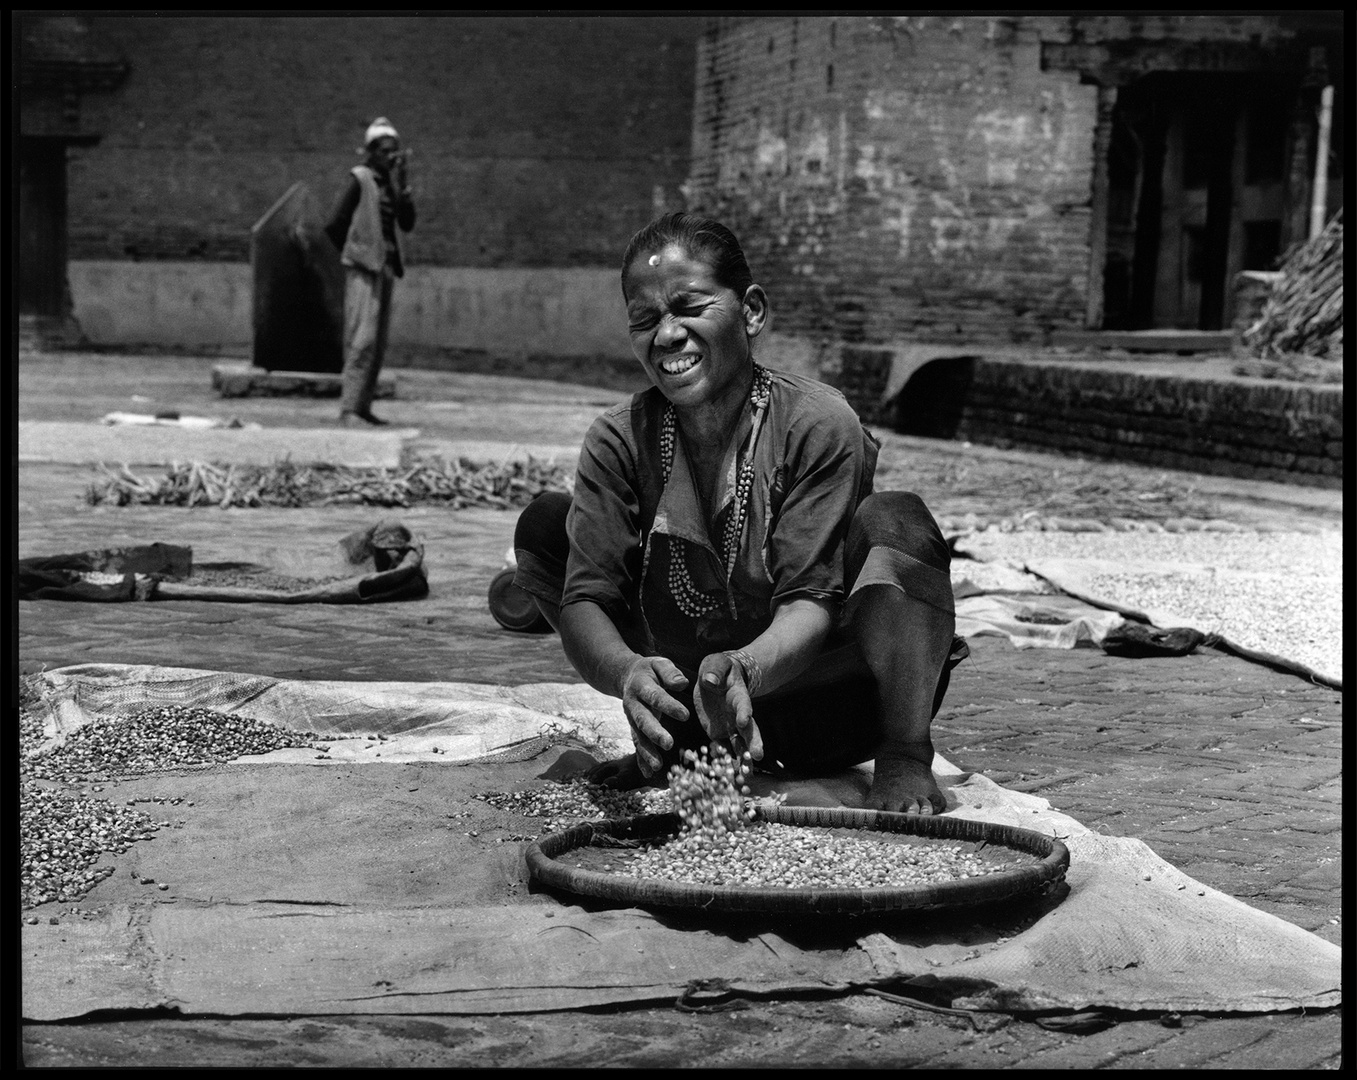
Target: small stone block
{"points": [[244, 380]]}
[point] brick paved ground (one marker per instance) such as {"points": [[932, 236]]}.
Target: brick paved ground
{"points": [[1226, 768]]}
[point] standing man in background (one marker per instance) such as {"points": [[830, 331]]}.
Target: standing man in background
{"points": [[363, 228]]}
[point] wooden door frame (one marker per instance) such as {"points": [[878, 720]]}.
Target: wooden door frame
{"points": [[40, 255]]}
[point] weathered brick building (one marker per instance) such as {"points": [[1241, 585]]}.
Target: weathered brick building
{"points": [[540, 144], [997, 179]]}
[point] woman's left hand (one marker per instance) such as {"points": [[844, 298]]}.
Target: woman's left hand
{"points": [[724, 706]]}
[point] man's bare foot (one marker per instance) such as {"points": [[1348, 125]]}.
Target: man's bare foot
{"points": [[620, 774], [906, 786]]}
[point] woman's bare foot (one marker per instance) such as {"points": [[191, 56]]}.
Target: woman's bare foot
{"points": [[905, 786], [620, 774]]}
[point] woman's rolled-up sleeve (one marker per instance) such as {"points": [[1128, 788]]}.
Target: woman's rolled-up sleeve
{"points": [[823, 475], [604, 521]]}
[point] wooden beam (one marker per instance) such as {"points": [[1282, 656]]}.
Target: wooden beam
{"points": [[1168, 283], [1116, 63], [1097, 240]]}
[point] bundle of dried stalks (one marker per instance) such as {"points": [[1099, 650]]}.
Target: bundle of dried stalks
{"points": [[1303, 315], [456, 484]]}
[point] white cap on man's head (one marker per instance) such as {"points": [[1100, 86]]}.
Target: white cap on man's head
{"points": [[379, 127]]}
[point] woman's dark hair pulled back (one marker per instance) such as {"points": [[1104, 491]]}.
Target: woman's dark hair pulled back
{"points": [[701, 238]]}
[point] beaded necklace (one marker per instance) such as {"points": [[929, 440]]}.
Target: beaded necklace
{"points": [[691, 600]]}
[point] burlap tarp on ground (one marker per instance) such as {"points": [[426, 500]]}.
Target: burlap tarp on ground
{"points": [[1076, 579], [1056, 603], [1132, 933], [384, 562]]}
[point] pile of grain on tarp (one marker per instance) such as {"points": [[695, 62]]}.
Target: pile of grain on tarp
{"points": [[456, 484], [1303, 315]]}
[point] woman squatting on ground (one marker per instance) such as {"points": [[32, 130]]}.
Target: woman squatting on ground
{"points": [[724, 567]]}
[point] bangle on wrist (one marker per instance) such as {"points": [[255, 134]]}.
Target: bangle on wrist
{"points": [[753, 674]]}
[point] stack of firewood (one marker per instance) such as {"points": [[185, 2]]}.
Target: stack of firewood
{"points": [[1303, 315]]}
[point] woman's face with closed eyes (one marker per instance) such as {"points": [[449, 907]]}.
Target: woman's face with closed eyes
{"points": [[689, 332]]}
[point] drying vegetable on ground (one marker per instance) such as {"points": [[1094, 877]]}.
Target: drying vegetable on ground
{"points": [[456, 484]]}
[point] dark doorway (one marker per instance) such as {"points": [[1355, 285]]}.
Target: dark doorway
{"points": [[42, 227], [1197, 169], [932, 402]]}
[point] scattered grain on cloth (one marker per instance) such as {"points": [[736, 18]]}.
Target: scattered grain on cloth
{"points": [[564, 805], [1279, 593], [64, 833]]}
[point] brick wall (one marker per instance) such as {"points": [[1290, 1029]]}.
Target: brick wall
{"points": [[536, 141], [1258, 429], [1267, 431], [899, 177]]}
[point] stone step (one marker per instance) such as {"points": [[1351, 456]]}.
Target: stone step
{"points": [[245, 380], [70, 443], [1155, 341]]}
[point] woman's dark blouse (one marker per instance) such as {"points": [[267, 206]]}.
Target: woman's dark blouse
{"points": [[813, 464]]}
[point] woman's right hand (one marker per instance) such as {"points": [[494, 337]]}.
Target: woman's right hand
{"points": [[647, 690]]}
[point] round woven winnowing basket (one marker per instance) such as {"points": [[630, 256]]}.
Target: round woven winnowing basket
{"points": [[1052, 859]]}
